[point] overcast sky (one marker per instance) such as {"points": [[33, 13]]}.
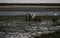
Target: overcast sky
{"points": [[29, 1]]}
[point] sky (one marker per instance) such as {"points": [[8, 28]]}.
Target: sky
{"points": [[29, 1]]}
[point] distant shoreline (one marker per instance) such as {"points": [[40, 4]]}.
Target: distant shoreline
{"points": [[32, 4]]}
